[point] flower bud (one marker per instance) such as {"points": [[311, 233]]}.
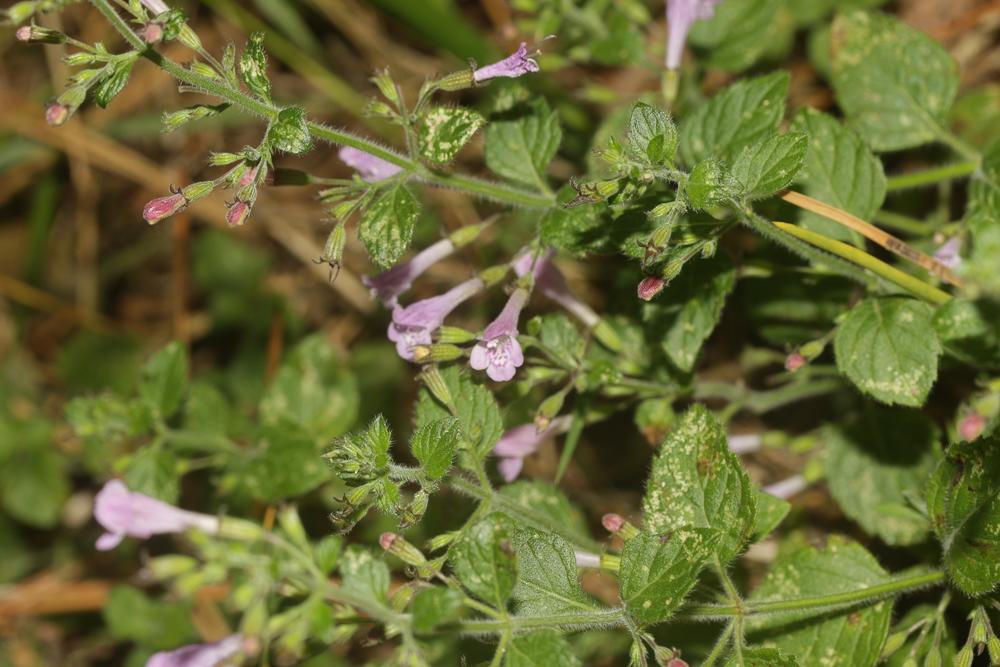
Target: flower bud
{"points": [[434, 381], [36, 34], [398, 546], [649, 287], [402, 598], [607, 336], [455, 335], [933, 657], [222, 159], [436, 352], [379, 109], [965, 657], [414, 512], [238, 213], [549, 408], [795, 361], [637, 654], [204, 70], [333, 250], [971, 426], [164, 207], [618, 525], [993, 646], [188, 38], [78, 59], [151, 33], [893, 643], [56, 114], [443, 540], [162, 568], [383, 81]]}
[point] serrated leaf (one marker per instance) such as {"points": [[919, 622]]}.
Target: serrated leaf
{"points": [[283, 464], [745, 112], [386, 226], [658, 571], [967, 331], [483, 559], [114, 82], [546, 508], [895, 84], [364, 575], [851, 638], [711, 184], [691, 308], [478, 412], [164, 379], [733, 38], [153, 471], [697, 482], [434, 606], [289, 131], [253, 66], [443, 131], [963, 500], [434, 445], [874, 463], [839, 170], [547, 580], [771, 512], [544, 648], [652, 134], [519, 147], [767, 166], [888, 349]]}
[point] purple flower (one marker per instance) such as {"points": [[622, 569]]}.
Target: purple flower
{"points": [[122, 512], [511, 67], [498, 352], [681, 15], [413, 325], [164, 207], [388, 285], [550, 280], [369, 167], [199, 655], [948, 253], [522, 441]]}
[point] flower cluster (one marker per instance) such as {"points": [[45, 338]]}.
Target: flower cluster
{"points": [[245, 178]]}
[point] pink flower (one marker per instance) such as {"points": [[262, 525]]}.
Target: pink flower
{"points": [[238, 213], [122, 512], [948, 253], [199, 655], [23, 34], [151, 33], [388, 285], [511, 67], [498, 352], [795, 361], [522, 441], [369, 167], [413, 325], [971, 426], [681, 15], [163, 207], [552, 284], [649, 287], [56, 114]]}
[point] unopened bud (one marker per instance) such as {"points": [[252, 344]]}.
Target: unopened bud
{"points": [[383, 81], [36, 34], [893, 643], [455, 81], [455, 335], [618, 525], [649, 287], [549, 408], [933, 657], [198, 190], [910, 662], [56, 114], [170, 566], [222, 159], [151, 33], [467, 234], [434, 381], [813, 348], [401, 598], [993, 647], [608, 337], [676, 662], [188, 38], [164, 207], [965, 657], [238, 213], [980, 631], [637, 654], [203, 69], [443, 540], [795, 361], [379, 109], [414, 512], [79, 59], [398, 546], [971, 426]]}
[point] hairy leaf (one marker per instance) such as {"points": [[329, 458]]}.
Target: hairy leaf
{"points": [[547, 580], [652, 134], [520, 146], [733, 39], [769, 165], [478, 412], [443, 131], [386, 226], [253, 65], [289, 132], [484, 560], [544, 648], [434, 445]]}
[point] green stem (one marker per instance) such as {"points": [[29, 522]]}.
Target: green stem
{"points": [[918, 179], [584, 620], [720, 646], [903, 223], [959, 145]]}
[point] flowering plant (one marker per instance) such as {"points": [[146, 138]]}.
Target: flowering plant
{"points": [[668, 351]]}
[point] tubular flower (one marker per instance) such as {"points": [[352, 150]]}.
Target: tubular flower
{"points": [[413, 325], [199, 655], [522, 441], [164, 207], [553, 285], [388, 285], [511, 67], [238, 213], [681, 15], [122, 512], [498, 352], [369, 167]]}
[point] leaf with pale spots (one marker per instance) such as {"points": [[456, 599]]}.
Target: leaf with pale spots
{"points": [[477, 410], [547, 580], [771, 511], [769, 165], [697, 482], [484, 560], [386, 226], [253, 66], [888, 348], [819, 637], [963, 500], [652, 134], [658, 571], [545, 648], [443, 131], [895, 84], [545, 507], [289, 131]]}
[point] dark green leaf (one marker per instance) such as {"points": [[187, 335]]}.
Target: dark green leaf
{"points": [[285, 463], [434, 446], [434, 606], [443, 131], [478, 412], [769, 165], [771, 512], [253, 65], [164, 379], [733, 39], [289, 132], [484, 561], [386, 226], [547, 581], [519, 147], [652, 134], [544, 648]]}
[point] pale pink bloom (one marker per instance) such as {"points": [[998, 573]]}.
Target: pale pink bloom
{"points": [[413, 325], [971, 426], [553, 285], [56, 114], [151, 33], [511, 67], [795, 361], [163, 207], [522, 441], [199, 655], [122, 512], [649, 287], [498, 352], [238, 213], [948, 253], [369, 167], [681, 15], [388, 285], [612, 522]]}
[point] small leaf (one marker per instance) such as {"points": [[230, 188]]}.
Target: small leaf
{"points": [[443, 131], [546, 503], [710, 184], [483, 559], [435, 606], [544, 648], [478, 412], [153, 471], [434, 446], [519, 146], [547, 581], [734, 37], [658, 571], [164, 379], [289, 132], [114, 82], [769, 165], [284, 463], [888, 349], [364, 575], [652, 134], [253, 65], [386, 226]]}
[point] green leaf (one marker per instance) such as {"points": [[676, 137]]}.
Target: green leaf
{"points": [[313, 389], [963, 500], [33, 481], [916, 643], [762, 657], [130, 615], [739, 115], [153, 471], [658, 571], [875, 463], [561, 336], [114, 82], [285, 463], [207, 411], [684, 321], [434, 446], [544, 648], [105, 423], [895, 84], [652, 134], [839, 170], [386, 226], [697, 482], [769, 165], [364, 575], [549, 505], [478, 412], [253, 65], [435, 606], [851, 638], [547, 581], [771, 512], [483, 559], [980, 268], [443, 131], [711, 184], [734, 38], [520, 146], [967, 331], [289, 132], [888, 349], [164, 379]]}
